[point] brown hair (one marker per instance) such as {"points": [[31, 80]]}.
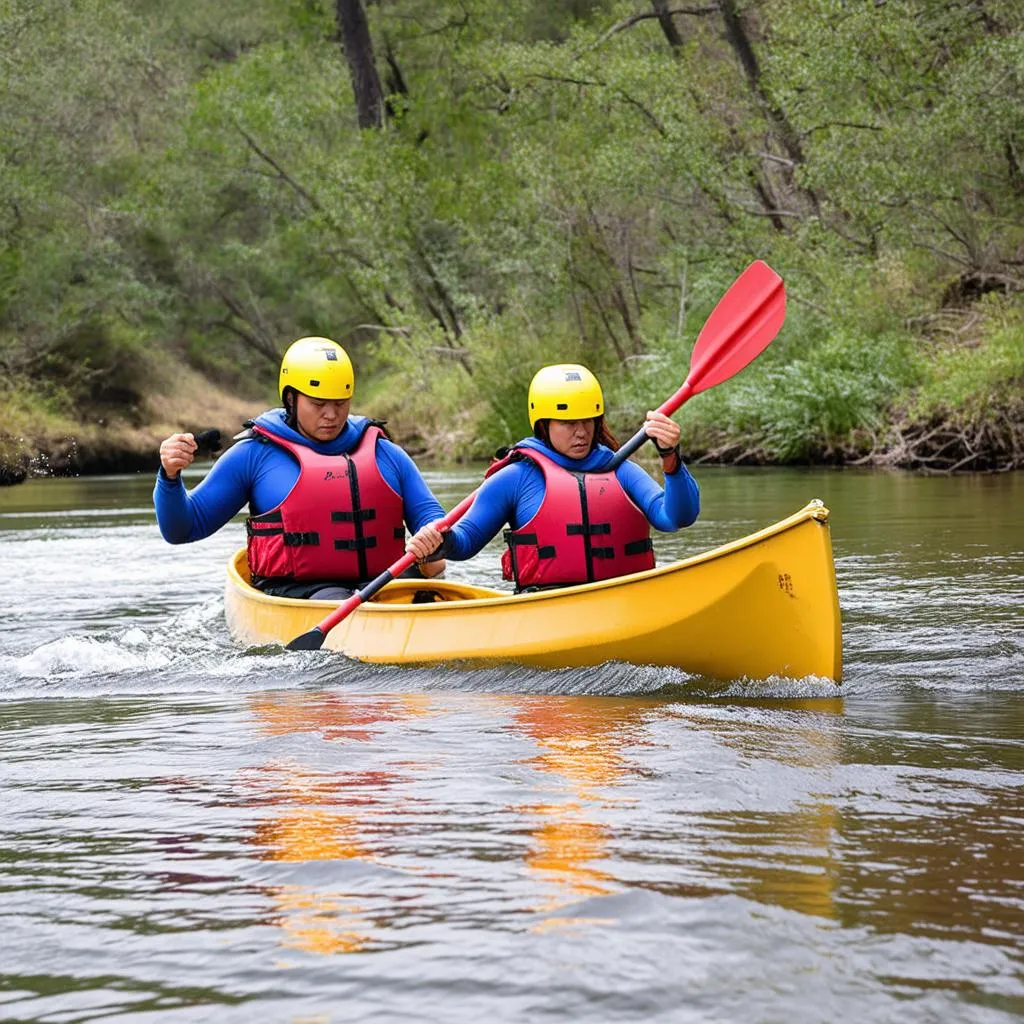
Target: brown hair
{"points": [[602, 435], [290, 412]]}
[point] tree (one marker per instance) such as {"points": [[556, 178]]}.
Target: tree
{"points": [[358, 46]]}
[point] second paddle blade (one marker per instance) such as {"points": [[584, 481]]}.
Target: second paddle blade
{"points": [[311, 641]]}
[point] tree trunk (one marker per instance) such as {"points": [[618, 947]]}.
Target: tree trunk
{"points": [[739, 40], [668, 26], [355, 39]]}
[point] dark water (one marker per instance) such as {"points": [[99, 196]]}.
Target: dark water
{"points": [[192, 832]]}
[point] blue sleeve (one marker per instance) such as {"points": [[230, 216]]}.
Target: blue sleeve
{"points": [[494, 506], [420, 507], [185, 516], [676, 506]]}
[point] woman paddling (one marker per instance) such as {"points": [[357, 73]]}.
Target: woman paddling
{"points": [[571, 521], [329, 494]]}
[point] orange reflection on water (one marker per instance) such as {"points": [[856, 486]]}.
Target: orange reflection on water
{"points": [[780, 857], [580, 742], [333, 716], [319, 817]]}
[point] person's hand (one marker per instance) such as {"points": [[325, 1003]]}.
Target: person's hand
{"points": [[424, 542], [663, 430], [177, 452]]}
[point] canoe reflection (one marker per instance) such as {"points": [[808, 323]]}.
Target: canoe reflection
{"points": [[782, 856], [322, 817], [612, 795], [580, 743]]}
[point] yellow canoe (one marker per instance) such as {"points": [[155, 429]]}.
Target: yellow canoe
{"points": [[764, 605]]}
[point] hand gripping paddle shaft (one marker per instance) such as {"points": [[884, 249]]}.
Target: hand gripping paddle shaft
{"points": [[313, 640]]}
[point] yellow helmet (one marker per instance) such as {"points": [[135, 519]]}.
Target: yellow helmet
{"points": [[566, 391], [317, 367]]}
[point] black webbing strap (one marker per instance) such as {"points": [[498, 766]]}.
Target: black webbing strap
{"points": [[360, 544], [639, 547], [309, 539], [254, 524], [253, 529], [585, 527], [512, 539], [574, 529], [364, 516]]}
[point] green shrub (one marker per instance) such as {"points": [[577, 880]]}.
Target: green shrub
{"points": [[986, 371]]}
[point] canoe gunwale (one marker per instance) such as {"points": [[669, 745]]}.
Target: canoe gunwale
{"points": [[814, 510]]}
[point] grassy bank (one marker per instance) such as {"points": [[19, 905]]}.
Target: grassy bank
{"points": [[40, 437], [940, 394]]}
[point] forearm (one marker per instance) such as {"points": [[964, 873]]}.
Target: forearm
{"points": [[682, 498], [469, 536], [185, 516], [666, 510], [493, 507], [173, 510]]}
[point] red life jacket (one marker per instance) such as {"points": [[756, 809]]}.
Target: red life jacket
{"points": [[340, 521], [586, 529]]}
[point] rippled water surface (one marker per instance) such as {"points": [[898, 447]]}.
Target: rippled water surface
{"points": [[194, 832]]}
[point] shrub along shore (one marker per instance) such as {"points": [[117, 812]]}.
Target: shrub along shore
{"points": [[761, 419], [460, 192]]}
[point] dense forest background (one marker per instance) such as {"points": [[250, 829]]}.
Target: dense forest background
{"points": [[460, 191]]}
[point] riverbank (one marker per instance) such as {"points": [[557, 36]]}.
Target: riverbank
{"points": [[949, 444], [36, 441], [921, 402], [557, 185]]}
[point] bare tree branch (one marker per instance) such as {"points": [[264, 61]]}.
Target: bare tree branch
{"points": [[635, 19], [282, 174]]}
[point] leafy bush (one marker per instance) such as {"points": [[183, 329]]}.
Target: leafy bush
{"points": [[985, 372]]}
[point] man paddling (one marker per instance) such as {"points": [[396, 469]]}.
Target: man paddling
{"points": [[329, 494], [572, 519]]}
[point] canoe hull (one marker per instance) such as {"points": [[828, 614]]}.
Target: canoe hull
{"points": [[762, 606]]}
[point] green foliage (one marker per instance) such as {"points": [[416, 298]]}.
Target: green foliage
{"points": [[818, 386], [984, 373], [555, 180]]}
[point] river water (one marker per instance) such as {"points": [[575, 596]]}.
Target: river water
{"points": [[194, 832]]}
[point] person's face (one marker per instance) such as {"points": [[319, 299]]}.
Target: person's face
{"points": [[321, 419], [572, 437]]}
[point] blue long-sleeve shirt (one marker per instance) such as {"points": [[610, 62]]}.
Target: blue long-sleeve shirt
{"points": [[514, 494], [261, 475]]}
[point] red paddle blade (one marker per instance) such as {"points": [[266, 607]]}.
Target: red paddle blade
{"points": [[740, 327]]}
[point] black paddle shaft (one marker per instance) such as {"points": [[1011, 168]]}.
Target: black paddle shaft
{"points": [[634, 444]]}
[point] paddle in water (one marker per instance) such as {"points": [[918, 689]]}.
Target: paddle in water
{"points": [[740, 327]]}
